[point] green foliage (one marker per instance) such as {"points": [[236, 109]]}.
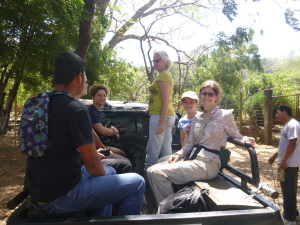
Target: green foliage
{"points": [[278, 82], [119, 77], [291, 68], [254, 87], [103, 66], [253, 102], [291, 19], [123, 80], [32, 34], [229, 9], [253, 108], [226, 63]]}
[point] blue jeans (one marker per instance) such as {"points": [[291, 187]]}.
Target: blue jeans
{"points": [[159, 145], [289, 193], [97, 194]]}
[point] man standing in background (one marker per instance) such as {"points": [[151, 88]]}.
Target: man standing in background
{"points": [[288, 160]]}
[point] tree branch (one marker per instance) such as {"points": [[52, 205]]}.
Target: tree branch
{"points": [[141, 13], [173, 6], [117, 38]]}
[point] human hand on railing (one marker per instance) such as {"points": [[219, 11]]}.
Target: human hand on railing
{"points": [[249, 141]]}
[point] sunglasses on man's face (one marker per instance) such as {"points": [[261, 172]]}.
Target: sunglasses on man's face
{"points": [[209, 94]]}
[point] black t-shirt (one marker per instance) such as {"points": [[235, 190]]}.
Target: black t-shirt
{"points": [[59, 170]]}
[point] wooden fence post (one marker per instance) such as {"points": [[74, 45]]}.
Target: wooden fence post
{"points": [[241, 111], [297, 113], [268, 117]]}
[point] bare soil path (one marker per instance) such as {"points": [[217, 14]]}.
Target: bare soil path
{"points": [[12, 167]]}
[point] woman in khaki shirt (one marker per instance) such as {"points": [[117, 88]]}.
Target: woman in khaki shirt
{"points": [[209, 132]]}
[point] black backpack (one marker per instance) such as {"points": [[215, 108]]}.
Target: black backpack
{"points": [[187, 199]]}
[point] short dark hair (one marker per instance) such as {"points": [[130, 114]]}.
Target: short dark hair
{"points": [[285, 108], [95, 88], [66, 67]]}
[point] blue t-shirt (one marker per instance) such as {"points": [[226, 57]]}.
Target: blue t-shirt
{"points": [[184, 122], [97, 116]]}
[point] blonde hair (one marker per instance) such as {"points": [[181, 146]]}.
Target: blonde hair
{"points": [[165, 57]]}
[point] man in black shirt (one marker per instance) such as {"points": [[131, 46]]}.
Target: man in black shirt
{"points": [[58, 180]]}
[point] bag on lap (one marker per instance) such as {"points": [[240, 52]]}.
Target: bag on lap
{"points": [[33, 131], [187, 199]]}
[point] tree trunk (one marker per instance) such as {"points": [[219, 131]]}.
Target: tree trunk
{"points": [[85, 36], [3, 85], [4, 120], [5, 112], [85, 27]]}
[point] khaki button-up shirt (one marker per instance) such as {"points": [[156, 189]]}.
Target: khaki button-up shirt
{"points": [[212, 134]]}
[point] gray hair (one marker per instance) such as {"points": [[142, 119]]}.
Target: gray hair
{"points": [[164, 56]]}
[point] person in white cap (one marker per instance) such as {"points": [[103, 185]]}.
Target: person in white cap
{"points": [[189, 102]]}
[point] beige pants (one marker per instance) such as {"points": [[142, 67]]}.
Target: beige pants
{"points": [[162, 175]]}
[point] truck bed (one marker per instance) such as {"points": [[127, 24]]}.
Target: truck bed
{"points": [[229, 201]]}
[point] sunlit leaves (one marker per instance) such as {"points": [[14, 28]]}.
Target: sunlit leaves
{"points": [[292, 19], [32, 34], [227, 62], [229, 9]]}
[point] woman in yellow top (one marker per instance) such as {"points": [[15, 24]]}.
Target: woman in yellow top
{"points": [[162, 116]]}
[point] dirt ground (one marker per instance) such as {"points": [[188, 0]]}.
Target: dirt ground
{"points": [[12, 167]]}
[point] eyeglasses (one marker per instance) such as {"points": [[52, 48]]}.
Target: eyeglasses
{"points": [[156, 60], [208, 94]]}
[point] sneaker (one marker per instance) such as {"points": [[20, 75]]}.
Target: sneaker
{"points": [[287, 222]]}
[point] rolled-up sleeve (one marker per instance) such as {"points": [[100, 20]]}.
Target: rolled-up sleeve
{"points": [[231, 128]]}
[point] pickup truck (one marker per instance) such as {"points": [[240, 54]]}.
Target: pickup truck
{"points": [[230, 200]]}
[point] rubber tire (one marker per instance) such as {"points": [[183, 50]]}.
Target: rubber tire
{"points": [[135, 149]]}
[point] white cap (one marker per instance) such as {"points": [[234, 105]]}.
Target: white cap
{"points": [[190, 94]]}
